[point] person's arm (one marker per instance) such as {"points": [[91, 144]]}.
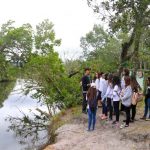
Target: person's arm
{"points": [[127, 94]]}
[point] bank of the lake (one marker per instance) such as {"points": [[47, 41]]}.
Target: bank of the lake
{"points": [[69, 131]]}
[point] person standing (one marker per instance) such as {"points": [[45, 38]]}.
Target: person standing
{"points": [[92, 106], [135, 97], [85, 81], [126, 97], [97, 80], [104, 85], [125, 73], [147, 101], [99, 98], [116, 97], [108, 98]]}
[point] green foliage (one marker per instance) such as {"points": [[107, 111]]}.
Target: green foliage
{"points": [[52, 82], [101, 50], [5, 88], [45, 37], [128, 16]]}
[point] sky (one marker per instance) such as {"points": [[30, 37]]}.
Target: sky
{"points": [[71, 18]]}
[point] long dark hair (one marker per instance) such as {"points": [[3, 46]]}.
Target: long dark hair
{"points": [[134, 84], [148, 79], [91, 95], [116, 81], [110, 78], [127, 81]]}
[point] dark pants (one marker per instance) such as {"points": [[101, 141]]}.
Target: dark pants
{"points": [[91, 119], [104, 107], [127, 110], [122, 107], [116, 109], [84, 103], [109, 107], [147, 107], [133, 111]]}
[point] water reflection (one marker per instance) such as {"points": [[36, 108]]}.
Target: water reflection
{"points": [[19, 115]]}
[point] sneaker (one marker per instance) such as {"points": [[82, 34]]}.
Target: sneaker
{"points": [[101, 115], [147, 119], [117, 124], [126, 125], [114, 122], [122, 126], [104, 117], [132, 120]]}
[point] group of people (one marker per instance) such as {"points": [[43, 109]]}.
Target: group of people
{"points": [[115, 94]]}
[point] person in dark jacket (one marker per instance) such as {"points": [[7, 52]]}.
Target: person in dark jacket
{"points": [[92, 106], [85, 81], [147, 101]]}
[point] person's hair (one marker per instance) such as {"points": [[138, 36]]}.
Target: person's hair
{"points": [[126, 71], [87, 69], [110, 78], [99, 75], [94, 78], [91, 94], [127, 81], [148, 79], [106, 76], [116, 81], [134, 84]]}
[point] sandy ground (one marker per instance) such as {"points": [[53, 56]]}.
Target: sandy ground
{"points": [[74, 136]]}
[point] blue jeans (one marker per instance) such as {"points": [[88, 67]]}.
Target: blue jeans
{"points": [[147, 107], [91, 119]]}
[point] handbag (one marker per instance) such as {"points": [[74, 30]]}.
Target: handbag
{"points": [[136, 97]]}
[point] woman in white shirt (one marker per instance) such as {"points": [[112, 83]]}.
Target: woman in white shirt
{"points": [[104, 85], [108, 97], [116, 97]]}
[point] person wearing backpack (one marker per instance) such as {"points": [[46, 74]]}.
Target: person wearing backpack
{"points": [[126, 96], [92, 106]]}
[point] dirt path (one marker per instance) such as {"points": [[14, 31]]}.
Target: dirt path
{"points": [[73, 136]]}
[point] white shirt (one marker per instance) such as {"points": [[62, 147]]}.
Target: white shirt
{"points": [[116, 93], [104, 86], [109, 91], [100, 84], [97, 83]]}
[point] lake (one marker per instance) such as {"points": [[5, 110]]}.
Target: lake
{"points": [[12, 103]]}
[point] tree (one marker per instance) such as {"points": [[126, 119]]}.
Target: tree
{"points": [[129, 16], [16, 43], [45, 39], [100, 49]]}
